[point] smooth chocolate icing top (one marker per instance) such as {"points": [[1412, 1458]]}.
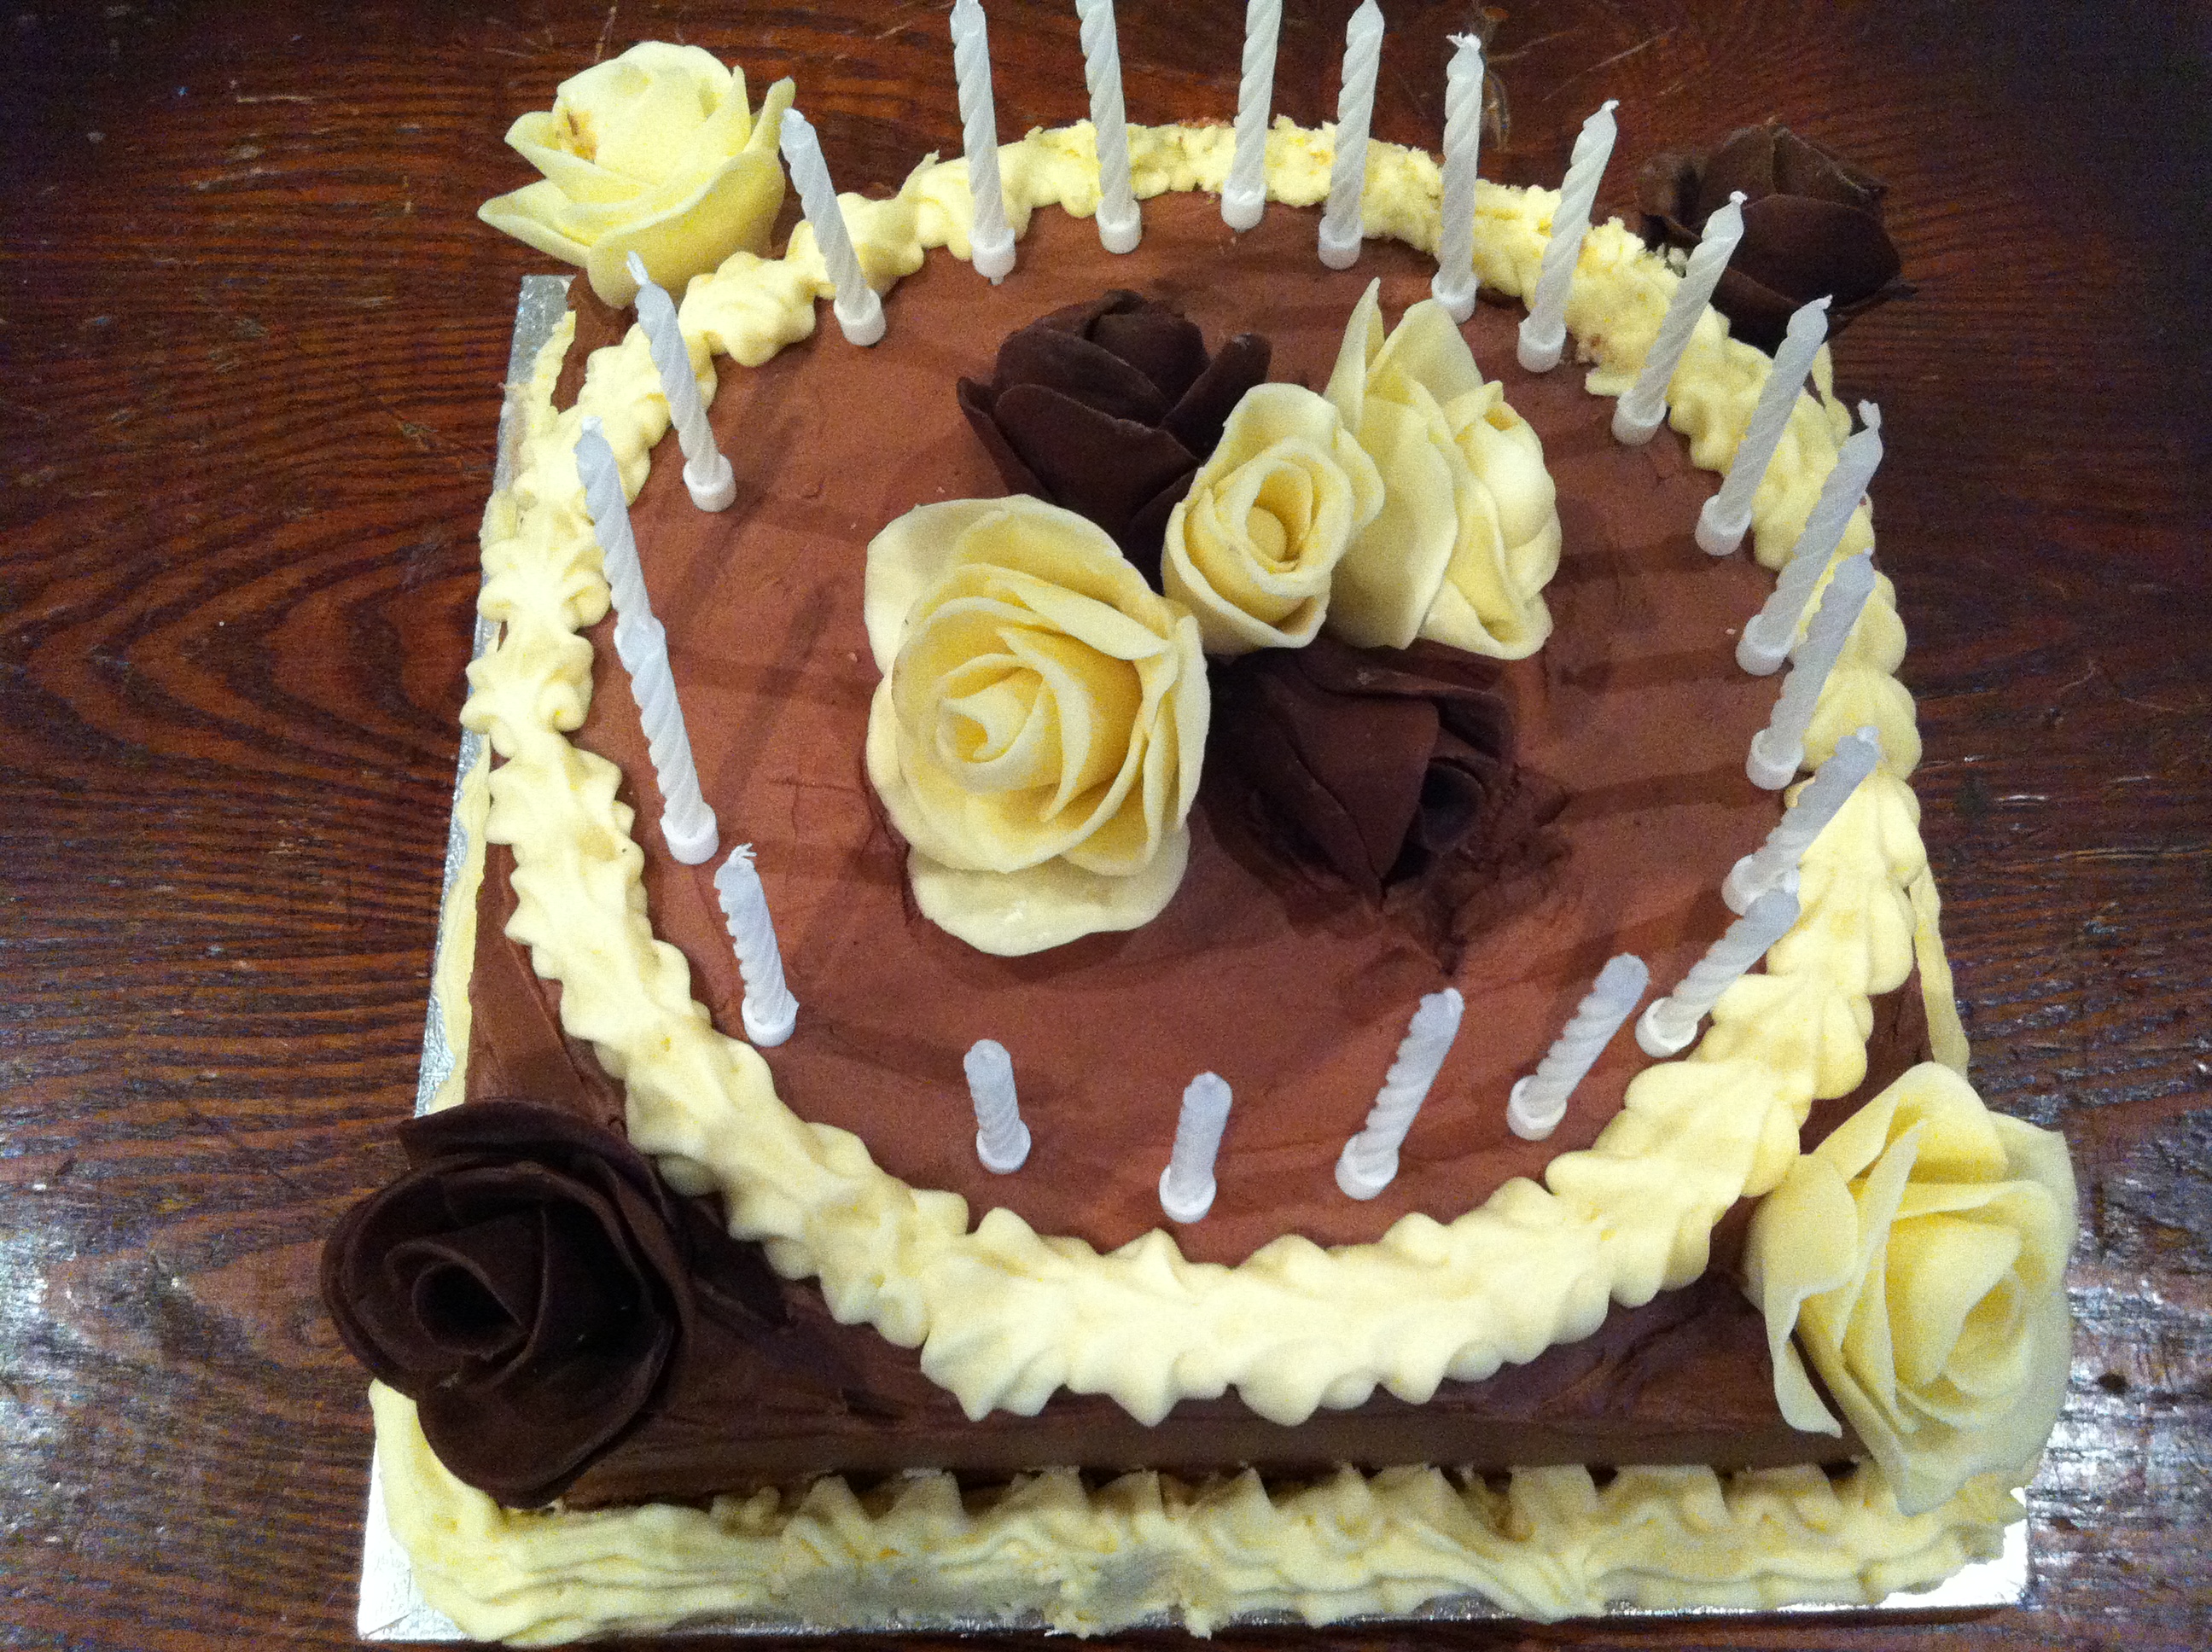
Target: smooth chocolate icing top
{"points": [[1289, 984], [1108, 408], [1812, 225]]}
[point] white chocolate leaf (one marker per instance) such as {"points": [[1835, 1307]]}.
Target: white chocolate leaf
{"points": [[1252, 548], [1946, 1341], [657, 152], [1037, 734]]}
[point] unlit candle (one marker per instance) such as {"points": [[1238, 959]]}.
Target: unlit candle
{"points": [[1369, 1162], [1355, 107], [1667, 1027], [1643, 409], [859, 311], [770, 1011], [1543, 337], [1771, 634], [1773, 864], [1119, 228], [686, 822], [1538, 1102], [1186, 1185], [1002, 1141], [1244, 197], [1721, 523], [990, 241], [707, 473], [1454, 284], [1780, 748]]}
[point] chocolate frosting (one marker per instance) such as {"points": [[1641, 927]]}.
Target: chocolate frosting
{"points": [[1811, 226], [532, 1284], [1108, 409]]}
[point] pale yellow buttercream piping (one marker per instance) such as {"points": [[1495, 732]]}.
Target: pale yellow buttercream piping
{"points": [[1543, 1544], [1005, 1316]]}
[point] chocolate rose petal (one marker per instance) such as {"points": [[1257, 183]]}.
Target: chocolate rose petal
{"points": [[1259, 737], [473, 1292], [1757, 313], [1168, 349], [1142, 536], [1461, 785], [977, 401], [1100, 467], [1804, 248], [1666, 190], [1804, 167], [1086, 372], [1198, 416], [1080, 319], [1745, 160]]}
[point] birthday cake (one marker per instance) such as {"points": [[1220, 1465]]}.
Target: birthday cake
{"points": [[1073, 1406]]}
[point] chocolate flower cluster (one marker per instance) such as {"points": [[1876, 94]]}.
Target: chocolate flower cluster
{"points": [[1107, 408], [1811, 226], [531, 1283], [1384, 761]]}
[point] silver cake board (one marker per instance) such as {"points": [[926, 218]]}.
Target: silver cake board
{"points": [[392, 1608]]}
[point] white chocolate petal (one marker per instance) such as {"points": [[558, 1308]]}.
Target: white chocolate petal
{"points": [[532, 215], [1391, 573], [1011, 914], [1940, 1269], [730, 211], [1803, 1241]]}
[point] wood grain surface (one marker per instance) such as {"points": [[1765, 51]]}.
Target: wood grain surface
{"points": [[251, 340]]}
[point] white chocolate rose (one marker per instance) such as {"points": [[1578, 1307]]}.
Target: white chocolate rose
{"points": [[1920, 1254], [1468, 534], [655, 152], [1038, 732], [1253, 546]]}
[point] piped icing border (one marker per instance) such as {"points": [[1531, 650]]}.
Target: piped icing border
{"points": [[1005, 1316], [1543, 1544]]}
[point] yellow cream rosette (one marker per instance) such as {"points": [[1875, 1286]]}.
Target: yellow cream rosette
{"points": [[1919, 1253], [1037, 734], [656, 152], [1252, 548], [1468, 534]]}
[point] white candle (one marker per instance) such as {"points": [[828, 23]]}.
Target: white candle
{"points": [[1454, 284], [1369, 1162], [769, 1010], [1543, 337], [1773, 864], [1002, 1141], [1643, 409], [1538, 1102], [1120, 228], [1186, 1185], [859, 311], [707, 473], [1721, 523], [1244, 197], [1778, 749], [1355, 106], [1771, 634], [686, 822], [1667, 1027], [990, 241]]}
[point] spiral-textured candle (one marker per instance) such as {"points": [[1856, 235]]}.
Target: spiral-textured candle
{"points": [[1454, 284], [1543, 337], [686, 821], [1721, 523], [990, 241], [1778, 749], [1642, 411], [1774, 863], [1355, 106], [1002, 1141], [859, 311], [1244, 197], [707, 473], [1772, 633], [769, 1010], [1540, 1101], [1186, 1185], [1120, 228], [1671, 1023], [1369, 1162]]}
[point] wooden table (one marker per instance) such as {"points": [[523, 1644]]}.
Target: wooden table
{"points": [[253, 339]]}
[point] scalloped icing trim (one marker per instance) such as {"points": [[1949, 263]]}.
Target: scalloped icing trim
{"points": [[1544, 1543], [1005, 1316]]}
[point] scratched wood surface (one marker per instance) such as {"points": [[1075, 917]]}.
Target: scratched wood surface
{"points": [[253, 337]]}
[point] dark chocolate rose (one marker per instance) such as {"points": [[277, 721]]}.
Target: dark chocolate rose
{"points": [[1385, 761], [1106, 409], [1811, 226], [530, 1283]]}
